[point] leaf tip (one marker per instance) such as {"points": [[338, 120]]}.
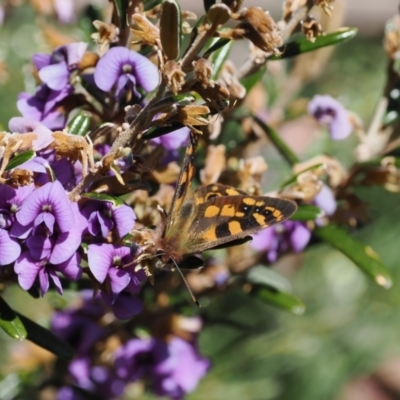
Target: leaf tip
{"points": [[383, 281]]}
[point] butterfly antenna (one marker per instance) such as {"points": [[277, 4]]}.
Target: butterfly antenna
{"points": [[195, 301]]}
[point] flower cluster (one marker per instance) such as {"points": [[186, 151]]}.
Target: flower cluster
{"points": [[172, 366]]}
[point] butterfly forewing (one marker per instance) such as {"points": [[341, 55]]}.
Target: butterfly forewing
{"points": [[222, 219]]}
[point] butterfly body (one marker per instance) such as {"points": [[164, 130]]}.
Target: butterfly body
{"points": [[208, 217]]}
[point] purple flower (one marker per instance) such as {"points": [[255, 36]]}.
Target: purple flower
{"points": [[49, 205], [25, 125], [44, 105], [28, 269], [107, 260], [9, 248], [289, 235], [103, 217], [55, 70], [174, 368], [52, 224], [122, 67], [181, 372], [10, 202], [173, 140], [80, 326], [68, 393], [326, 201], [125, 305], [328, 111]]}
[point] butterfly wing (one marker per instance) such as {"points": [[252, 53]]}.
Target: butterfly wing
{"points": [[222, 219], [183, 193]]}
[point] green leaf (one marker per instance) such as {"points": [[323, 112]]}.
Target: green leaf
{"points": [[116, 201], [10, 322], [79, 125], [121, 7], [293, 179], [208, 4], [303, 45], [156, 132], [307, 212], [149, 4], [219, 54], [171, 28], [362, 255], [249, 81], [280, 144], [272, 287], [47, 340], [179, 99], [20, 159]]}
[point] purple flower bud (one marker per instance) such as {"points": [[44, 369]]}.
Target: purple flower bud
{"points": [[173, 140], [328, 111]]}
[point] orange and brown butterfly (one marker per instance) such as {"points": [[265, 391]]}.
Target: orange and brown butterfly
{"points": [[206, 218]]}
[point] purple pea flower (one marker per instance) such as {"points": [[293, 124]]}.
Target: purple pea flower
{"points": [[55, 69], [107, 260], [326, 201], [122, 67], [103, 216], [10, 202], [173, 140], [328, 111], [80, 327], [28, 269], [9, 248], [25, 125], [174, 368], [289, 235], [44, 105]]}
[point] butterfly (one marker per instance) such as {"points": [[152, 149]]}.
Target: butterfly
{"points": [[209, 217]]}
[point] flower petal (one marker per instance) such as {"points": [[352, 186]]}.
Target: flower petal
{"points": [[100, 259], [9, 248], [27, 270], [124, 219]]}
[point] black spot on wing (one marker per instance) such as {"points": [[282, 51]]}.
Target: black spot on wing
{"points": [[222, 230]]}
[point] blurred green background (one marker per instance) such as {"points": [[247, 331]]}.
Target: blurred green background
{"points": [[350, 328]]}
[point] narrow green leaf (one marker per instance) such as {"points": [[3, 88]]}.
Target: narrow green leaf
{"points": [[208, 4], [362, 255], [20, 159], [303, 45], [280, 299], [274, 288], [47, 340], [307, 212], [10, 322], [219, 55], [121, 7], [161, 130], [249, 81], [179, 99], [280, 144], [293, 179], [79, 125], [149, 4], [116, 201], [171, 28]]}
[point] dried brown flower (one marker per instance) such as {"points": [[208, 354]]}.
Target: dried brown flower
{"points": [[105, 35], [214, 164], [311, 28]]}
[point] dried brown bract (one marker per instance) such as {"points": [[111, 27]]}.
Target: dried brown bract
{"points": [[144, 30], [173, 75], [311, 28], [326, 5], [73, 148], [259, 28], [105, 35], [250, 174], [203, 70], [214, 164]]}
